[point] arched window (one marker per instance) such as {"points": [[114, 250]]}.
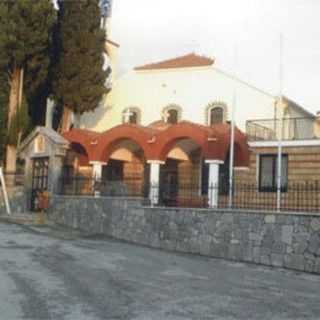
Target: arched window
{"points": [[171, 114], [131, 115], [216, 113]]}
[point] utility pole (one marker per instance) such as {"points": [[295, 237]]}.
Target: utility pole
{"points": [[232, 129], [280, 127]]}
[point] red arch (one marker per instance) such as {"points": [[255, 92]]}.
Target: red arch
{"points": [[81, 153], [156, 144], [82, 138], [109, 139], [204, 137]]}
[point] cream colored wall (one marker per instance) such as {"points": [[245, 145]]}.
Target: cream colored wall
{"points": [[294, 129], [193, 89], [112, 54]]}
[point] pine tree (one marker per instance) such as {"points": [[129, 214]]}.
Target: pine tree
{"points": [[25, 33], [79, 78]]}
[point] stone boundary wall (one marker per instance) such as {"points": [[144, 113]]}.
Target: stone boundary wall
{"points": [[283, 240], [17, 200]]}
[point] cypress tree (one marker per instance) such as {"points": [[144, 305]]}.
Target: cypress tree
{"points": [[79, 78], [4, 95], [25, 33]]}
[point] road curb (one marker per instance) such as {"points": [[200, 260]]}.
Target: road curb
{"points": [[29, 219]]}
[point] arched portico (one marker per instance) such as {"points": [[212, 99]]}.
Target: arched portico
{"points": [[108, 140], [81, 140], [183, 148], [123, 151], [78, 155], [125, 168], [175, 153], [77, 162], [204, 137]]}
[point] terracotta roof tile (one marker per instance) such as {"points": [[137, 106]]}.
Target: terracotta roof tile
{"points": [[187, 61]]}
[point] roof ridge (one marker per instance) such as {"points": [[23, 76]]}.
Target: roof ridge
{"points": [[188, 60]]}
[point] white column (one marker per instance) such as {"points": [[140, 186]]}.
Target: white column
{"points": [[97, 170], [97, 167], [213, 182], [154, 181], [200, 177]]}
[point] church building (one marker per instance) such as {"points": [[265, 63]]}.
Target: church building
{"points": [[164, 131], [165, 127]]}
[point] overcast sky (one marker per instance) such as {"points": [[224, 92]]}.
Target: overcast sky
{"points": [[152, 30]]}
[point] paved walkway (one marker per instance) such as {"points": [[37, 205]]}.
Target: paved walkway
{"points": [[47, 274]]}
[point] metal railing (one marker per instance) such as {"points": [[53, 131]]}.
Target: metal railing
{"points": [[270, 129], [87, 186], [295, 196]]}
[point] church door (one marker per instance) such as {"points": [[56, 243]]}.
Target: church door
{"points": [[169, 183], [40, 173]]}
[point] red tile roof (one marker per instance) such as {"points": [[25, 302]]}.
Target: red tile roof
{"points": [[81, 132], [187, 61]]}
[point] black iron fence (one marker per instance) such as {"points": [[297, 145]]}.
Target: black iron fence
{"points": [[271, 129], [297, 196], [87, 186]]}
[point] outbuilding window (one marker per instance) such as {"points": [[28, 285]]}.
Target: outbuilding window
{"points": [[39, 144]]}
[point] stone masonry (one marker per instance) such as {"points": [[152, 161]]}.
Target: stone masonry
{"points": [[17, 200], [282, 240]]}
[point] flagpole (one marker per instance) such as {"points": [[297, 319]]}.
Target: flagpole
{"points": [[279, 109], [232, 130]]}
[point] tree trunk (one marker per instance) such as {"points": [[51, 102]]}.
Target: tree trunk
{"points": [[11, 159], [65, 119], [11, 152]]}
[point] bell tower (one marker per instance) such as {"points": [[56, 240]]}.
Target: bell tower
{"points": [[106, 14], [111, 47]]}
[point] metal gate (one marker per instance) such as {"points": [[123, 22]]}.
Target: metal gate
{"points": [[169, 183], [39, 180]]}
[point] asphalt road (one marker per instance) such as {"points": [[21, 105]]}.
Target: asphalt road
{"points": [[45, 274]]}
